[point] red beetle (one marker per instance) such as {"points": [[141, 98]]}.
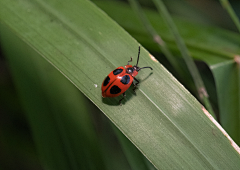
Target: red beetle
{"points": [[120, 79]]}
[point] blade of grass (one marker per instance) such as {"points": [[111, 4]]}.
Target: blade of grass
{"points": [[228, 96], [58, 114], [156, 37], [215, 46], [186, 55], [228, 7], [236, 127], [135, 158], [164, 121]]}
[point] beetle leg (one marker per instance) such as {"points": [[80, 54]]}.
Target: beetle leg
{"points": [[135, 84], [124, 95], [129, 61]]}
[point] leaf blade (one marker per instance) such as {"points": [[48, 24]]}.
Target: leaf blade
{"points": [[164, 120]]}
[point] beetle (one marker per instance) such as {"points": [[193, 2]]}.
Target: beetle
{"points": [[120, 79]]}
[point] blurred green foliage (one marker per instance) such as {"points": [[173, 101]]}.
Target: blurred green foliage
{"points": [[17, 149]]}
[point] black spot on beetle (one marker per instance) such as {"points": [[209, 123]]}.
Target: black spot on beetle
{"points": [[130, 70], [125, 79], [115, 90], [106, 81], [117, 71]]}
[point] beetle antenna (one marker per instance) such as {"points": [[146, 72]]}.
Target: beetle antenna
{"points": [[138, 55], [145, 67]]}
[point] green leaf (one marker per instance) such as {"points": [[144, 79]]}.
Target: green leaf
{"points": [[227, 78], [218, 48], [56, 110], [163, 120]]}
